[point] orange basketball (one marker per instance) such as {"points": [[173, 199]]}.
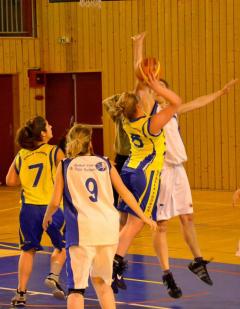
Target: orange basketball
{"points": [[146, 66]]}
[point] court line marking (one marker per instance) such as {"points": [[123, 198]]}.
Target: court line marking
{"points": [[140, 262], [7, 209], [142, 280], [91, 299]]}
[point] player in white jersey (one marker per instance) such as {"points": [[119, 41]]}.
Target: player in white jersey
{"points": [[175, 194], [92, 222]]}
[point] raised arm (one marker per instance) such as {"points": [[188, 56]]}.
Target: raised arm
{"points": [[206, 99], [159, 120], [128, 197], [138, 41]]}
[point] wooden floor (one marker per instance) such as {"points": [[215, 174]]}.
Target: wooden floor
{"points": [[217, 224]]}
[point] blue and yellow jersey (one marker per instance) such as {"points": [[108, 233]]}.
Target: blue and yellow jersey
{"points": [[36, 170], [146, 148], [141, 172]]}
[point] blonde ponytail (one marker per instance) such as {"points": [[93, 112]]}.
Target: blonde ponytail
{"points": [[78, 140]]}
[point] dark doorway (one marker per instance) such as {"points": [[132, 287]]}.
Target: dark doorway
{"points": [[6, 125], [75, 97]]}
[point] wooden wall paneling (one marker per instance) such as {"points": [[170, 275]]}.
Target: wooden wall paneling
{"points": [[31, 64], [55, 35], [224, 100], [123, 44], [168, 41], [68, 32], [182, 66], [175, 46], [195, 86], [135, 18], [98, 46], [94, 12], [74, 8], [13, 56], [148, 26], [117, 47], [189, 91], [106, 91], [154, 28], [129, 47], [86, 37], [203, 91], [216, 85], [161, 38], [6, 56], [141, 17], [25, 108], [237, 88], [209, 79], [51, 37], [44, 38], [80, 41], [230, 97]]}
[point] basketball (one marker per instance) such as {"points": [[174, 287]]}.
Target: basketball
{"points": [[148, 65]]}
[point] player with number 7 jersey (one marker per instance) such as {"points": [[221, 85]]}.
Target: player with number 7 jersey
{"points": [[34, 168]]}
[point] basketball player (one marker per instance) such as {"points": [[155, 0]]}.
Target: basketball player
{"points": [[34, 170], [175, 195], [121, 143], [92, 222], [141, 172]]}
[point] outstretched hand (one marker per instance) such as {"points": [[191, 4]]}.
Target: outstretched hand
{"points": [[152, 82], [229, 85], [235, 197], [139, 36], [151, 223]]}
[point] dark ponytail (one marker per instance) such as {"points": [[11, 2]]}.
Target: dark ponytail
{"points": [[29, 135]]}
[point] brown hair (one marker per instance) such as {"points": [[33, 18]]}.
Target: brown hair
{"points": [[29, 135]]}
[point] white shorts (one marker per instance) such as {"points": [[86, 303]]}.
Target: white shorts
{"points": [[82, 261], [175, 196]]}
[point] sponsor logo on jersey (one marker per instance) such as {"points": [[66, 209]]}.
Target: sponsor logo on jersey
{"points": [[101, 166]]}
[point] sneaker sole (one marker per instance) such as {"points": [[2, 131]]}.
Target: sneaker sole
{"points": [[21, 305], [208, 283], [55, 291]]}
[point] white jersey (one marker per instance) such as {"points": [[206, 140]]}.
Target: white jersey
{"points": [[175, 150], [91, 218]]}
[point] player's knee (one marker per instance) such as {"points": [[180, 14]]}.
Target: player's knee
{"points": [[187, 219], [76, 291], [162, 226], [97, 280]]}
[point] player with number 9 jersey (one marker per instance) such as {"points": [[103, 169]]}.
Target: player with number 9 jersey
{"points": [[88, 202]]}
